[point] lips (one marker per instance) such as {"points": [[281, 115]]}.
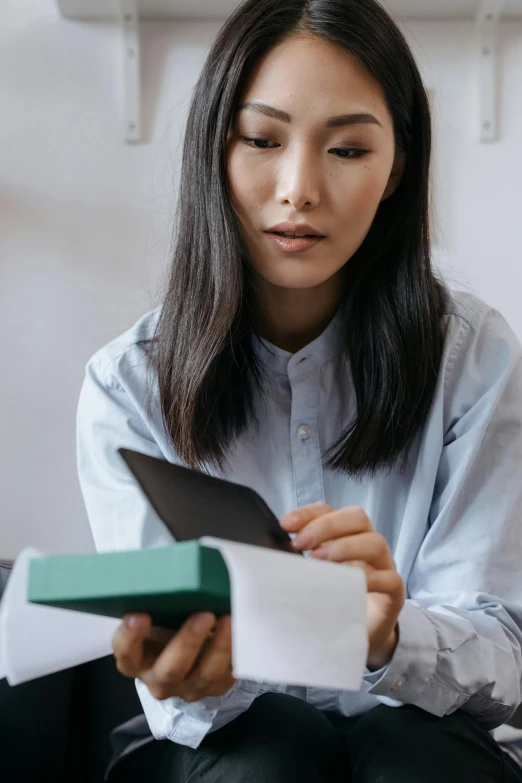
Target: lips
{"points": [[292, 236], [293, 244], [295, 230]]}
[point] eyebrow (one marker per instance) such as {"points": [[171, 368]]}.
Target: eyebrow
{"points": [[332, 122]]}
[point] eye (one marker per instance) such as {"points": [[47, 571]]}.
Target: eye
{"points": [[347, 153], [351, 153], [259, 141]]}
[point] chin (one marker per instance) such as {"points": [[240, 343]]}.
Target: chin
{"points": [[302, 275], [294, 281]]}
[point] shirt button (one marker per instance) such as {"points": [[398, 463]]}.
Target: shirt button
{"points": [[398, 683], [304, 431]]}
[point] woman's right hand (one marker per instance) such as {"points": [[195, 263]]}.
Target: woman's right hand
{"points": [[192, 663]]}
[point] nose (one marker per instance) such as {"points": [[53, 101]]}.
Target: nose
{"points": [[299, 179]]}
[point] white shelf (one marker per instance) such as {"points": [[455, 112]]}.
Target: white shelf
{"points": [[220, 9], [128, 14]]}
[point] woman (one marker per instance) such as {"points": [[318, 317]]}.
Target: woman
{"points": [[336, 375]]}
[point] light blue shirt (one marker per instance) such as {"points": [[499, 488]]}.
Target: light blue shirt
{"points": [[453, 519]]}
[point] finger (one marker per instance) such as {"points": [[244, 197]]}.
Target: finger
{"points": [[345, 522], [368, 569], [177, 659], [371, 548], [127, 643], [214, 665], [296, 519], [389, 583]]}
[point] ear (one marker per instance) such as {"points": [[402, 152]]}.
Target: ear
{"points": [[397, 172]]}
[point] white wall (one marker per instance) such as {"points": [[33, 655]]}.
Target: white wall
{"points": [[85, 221]]}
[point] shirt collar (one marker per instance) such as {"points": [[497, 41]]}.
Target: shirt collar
{"points": [[312, 356]]}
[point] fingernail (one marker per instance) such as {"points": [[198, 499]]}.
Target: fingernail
{"points": [[201, 623], [289, 521], [132, 621], [321, 554], [303, 540]]}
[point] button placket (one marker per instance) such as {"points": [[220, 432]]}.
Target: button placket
{"points": [[306, 453], [308, 473]]}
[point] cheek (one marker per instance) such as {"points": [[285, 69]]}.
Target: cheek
{"points": [[360, 193], [250, 186]]}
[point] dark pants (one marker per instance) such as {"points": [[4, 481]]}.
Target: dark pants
{"points": [[283, 739]]}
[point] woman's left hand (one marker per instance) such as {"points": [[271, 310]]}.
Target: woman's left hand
{"points": [[347, 536]]}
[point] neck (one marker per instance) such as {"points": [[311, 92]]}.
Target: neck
{"points": [[293, 318]]}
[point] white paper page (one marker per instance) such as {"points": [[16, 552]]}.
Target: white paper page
{"points": [[295, 620], [37, 640]]}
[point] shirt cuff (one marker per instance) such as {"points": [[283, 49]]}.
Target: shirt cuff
{"points": [[188, 723], [175, 719], [413, 663]]}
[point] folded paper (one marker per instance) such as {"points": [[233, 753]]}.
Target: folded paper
{"points": [[295, 620], [38, 640]]}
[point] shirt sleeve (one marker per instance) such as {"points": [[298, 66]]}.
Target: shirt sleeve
{"points": [[122, 519], [460, 630]]}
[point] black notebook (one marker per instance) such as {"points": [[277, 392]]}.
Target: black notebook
{"points": [[193, 504]]}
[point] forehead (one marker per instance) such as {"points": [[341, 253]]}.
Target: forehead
{"points": [[310, 72]]}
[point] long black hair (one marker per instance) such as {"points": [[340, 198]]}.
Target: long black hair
{"points": [[201, 353]]}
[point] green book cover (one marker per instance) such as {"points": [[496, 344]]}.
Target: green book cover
{"points": [[169, 583]]}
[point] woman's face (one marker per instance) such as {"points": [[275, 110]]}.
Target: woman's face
{"points": [[302, 169]]}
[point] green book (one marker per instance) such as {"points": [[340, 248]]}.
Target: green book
{"points": [[169, 583]]}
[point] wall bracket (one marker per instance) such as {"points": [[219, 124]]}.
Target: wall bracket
{"points": [[130, 27], [488, 17]]}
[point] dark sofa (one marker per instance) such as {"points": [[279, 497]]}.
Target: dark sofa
{"points": [[56, 729]]}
